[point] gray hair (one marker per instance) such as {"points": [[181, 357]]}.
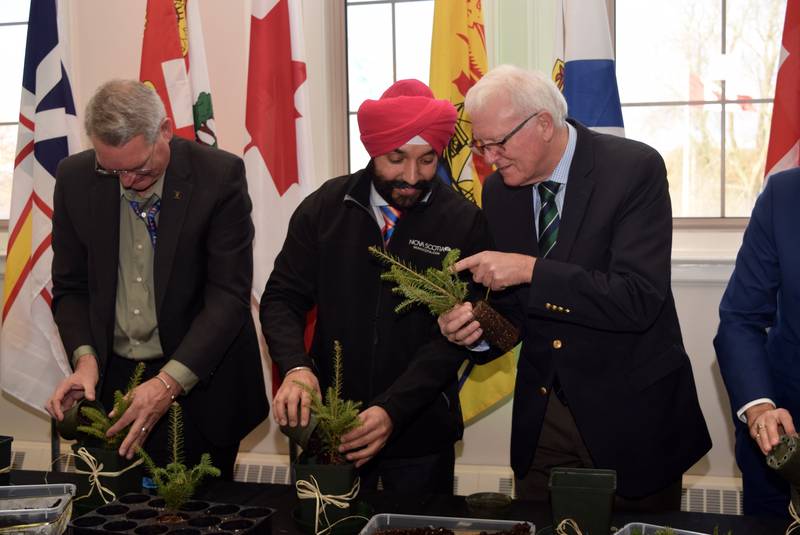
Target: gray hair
{"points": [[527, 91], [123, 109]]}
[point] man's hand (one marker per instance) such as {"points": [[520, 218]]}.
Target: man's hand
{"points": [[290, 396], [368, 438], [497, 270], [765, 423], [459, 325], [151, 400], [80, 384]]}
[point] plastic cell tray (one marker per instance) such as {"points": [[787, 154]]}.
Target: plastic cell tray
{"points": [[458, 525], [650, 529], [36, 508], [139, 514]]}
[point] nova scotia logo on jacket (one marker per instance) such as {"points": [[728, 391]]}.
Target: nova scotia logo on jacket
{"points": [[428, 248]]}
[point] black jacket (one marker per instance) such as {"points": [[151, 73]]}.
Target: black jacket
{"points": [[599, 315], [397, 361]]}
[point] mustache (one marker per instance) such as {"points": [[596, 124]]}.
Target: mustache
{"points": [[399, 184]]}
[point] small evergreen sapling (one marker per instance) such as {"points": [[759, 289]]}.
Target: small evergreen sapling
{"points": [[335, 417], [176, 483], [442, 289], [100, 422]]}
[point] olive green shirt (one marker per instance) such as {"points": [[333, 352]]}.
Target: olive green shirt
{"points": [[136, 325]]}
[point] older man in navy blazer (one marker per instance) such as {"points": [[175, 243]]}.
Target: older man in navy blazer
{"points": [[758, 343], [583, 227]]}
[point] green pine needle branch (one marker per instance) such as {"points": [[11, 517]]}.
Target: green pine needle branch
{"points": [[335, 417], [438, 289], [100, 422], [176, 483]]}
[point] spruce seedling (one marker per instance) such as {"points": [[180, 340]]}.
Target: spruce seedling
{"points": [[442, 289], [335, 417], [100, 422], [176, 483]]}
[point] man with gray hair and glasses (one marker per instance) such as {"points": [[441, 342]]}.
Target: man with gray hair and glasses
{"points": [[152, 262], [583, 227]]}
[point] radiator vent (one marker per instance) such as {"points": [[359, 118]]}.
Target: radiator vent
{"points": [[506, 486], [17, 460], [712, 500], [261, 473]]}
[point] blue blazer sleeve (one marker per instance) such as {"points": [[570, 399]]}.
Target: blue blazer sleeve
{"points": [[749, 307]]}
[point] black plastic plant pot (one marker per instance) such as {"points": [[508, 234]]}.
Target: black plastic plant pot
{"points": [[585, 495], [332, 479], [128, 482], [785, 459], [300, 435], [139, 514], [68, 426], [5, 459]]}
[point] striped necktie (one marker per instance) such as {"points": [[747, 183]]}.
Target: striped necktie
{"points": [[390, 217], [548, 217]]}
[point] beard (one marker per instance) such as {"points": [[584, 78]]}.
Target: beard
{"points": [[401, 194]]}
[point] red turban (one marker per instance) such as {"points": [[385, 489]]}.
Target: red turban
{"points": [[407, 109]]}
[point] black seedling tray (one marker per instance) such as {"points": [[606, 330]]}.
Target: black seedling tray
{"points": [[139, 514]]}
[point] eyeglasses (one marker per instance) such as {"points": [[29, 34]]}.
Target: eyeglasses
{"points": [[140, 171], [480, 148]]}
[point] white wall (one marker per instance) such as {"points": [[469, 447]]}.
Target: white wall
{"points": [[107, 44]]}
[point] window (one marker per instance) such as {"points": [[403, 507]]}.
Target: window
{"points": [[696, 81], [13, 31], [387, 40]]}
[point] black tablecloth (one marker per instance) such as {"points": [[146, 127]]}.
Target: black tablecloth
{"points": [[283, 499]]}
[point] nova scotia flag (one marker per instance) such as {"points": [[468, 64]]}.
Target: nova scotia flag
{"points": [[584, 65]]}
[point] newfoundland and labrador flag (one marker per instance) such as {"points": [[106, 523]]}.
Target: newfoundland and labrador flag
{"points": [[32, 358], [584, 67]]}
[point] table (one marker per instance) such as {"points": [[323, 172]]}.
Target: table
{"points": [[283, 499]]}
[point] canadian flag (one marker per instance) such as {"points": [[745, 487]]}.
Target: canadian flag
{"points": [[784, 136], [176, 70], [278, 155]]}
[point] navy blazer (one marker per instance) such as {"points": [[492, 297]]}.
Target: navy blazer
{"points": [[758, 342], [600, 316], [202, 276]]}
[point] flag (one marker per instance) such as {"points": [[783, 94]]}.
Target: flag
{"points": [[32, 360], [174, 64], [783, 151], [458, 61], [584, 67], [278, 155]]}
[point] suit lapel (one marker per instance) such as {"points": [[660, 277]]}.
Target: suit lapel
{"points": [[579, 191], [176, 196], [104, 200]]}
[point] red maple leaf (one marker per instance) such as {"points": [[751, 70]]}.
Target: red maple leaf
{"points": [[273, 78]]}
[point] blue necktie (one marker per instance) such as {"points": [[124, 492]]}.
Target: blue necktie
{"points": [[390, 217], [149, 218], [548, 217]]}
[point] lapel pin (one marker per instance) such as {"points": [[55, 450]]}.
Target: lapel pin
{"points": [[177, 195]]}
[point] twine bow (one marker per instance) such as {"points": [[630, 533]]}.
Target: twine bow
{"points": [[795, 525], [94, 473], [307, 490], [561, 529]]}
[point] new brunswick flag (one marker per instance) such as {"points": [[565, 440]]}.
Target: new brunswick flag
{"points": [[458, 60], [174, 64]]}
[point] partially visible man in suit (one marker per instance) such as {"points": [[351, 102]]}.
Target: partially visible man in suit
{"points": [[153, 263], [582, 224], [758, 342]]}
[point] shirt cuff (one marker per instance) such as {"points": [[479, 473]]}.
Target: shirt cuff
{"points": [[741, 412], [81, 351], [183, 375], [483, 345]]}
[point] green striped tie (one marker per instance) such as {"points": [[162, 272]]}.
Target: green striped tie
{"points": [[548, 217]]}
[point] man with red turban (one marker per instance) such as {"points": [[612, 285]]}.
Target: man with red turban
{"points": [[398, 365]]}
